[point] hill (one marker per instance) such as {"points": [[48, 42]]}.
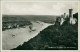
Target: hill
{"points": [[53, 38], [44, 18]]}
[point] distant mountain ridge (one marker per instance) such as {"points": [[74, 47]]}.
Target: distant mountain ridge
{"points": [[6, 18]]}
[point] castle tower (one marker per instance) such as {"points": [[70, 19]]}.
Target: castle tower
{"points": [[70, 13], [72, 20]]}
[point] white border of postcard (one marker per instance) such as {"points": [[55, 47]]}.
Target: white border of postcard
{"points": [[41, 50]]}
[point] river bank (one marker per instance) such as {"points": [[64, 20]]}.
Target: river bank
{"points": [[21, 35]]}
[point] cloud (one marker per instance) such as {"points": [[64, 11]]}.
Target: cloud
{"points": [[37, 8]]}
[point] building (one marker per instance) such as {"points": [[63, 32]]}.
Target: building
{"points": [[72, 19]]}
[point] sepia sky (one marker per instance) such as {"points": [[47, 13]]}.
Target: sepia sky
{"points": [[38, 8]]}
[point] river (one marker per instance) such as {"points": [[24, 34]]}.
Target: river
{"points": [[21, 35]]}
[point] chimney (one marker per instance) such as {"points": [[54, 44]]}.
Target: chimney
{"points": [[70, 13]]}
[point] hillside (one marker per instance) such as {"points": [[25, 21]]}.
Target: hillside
{"points": [[53, 38], [21, 35]]}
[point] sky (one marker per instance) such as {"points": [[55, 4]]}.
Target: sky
{"points": [[38, 8]]}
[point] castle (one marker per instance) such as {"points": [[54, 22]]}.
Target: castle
{"points": [[68, 19]]}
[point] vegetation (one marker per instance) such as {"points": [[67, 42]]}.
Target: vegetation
{"points": [[54, 37], [14, 21], [14, 24], [61, 37]]}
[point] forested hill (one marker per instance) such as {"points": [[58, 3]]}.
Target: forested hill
{"points": [[53, 38]]}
